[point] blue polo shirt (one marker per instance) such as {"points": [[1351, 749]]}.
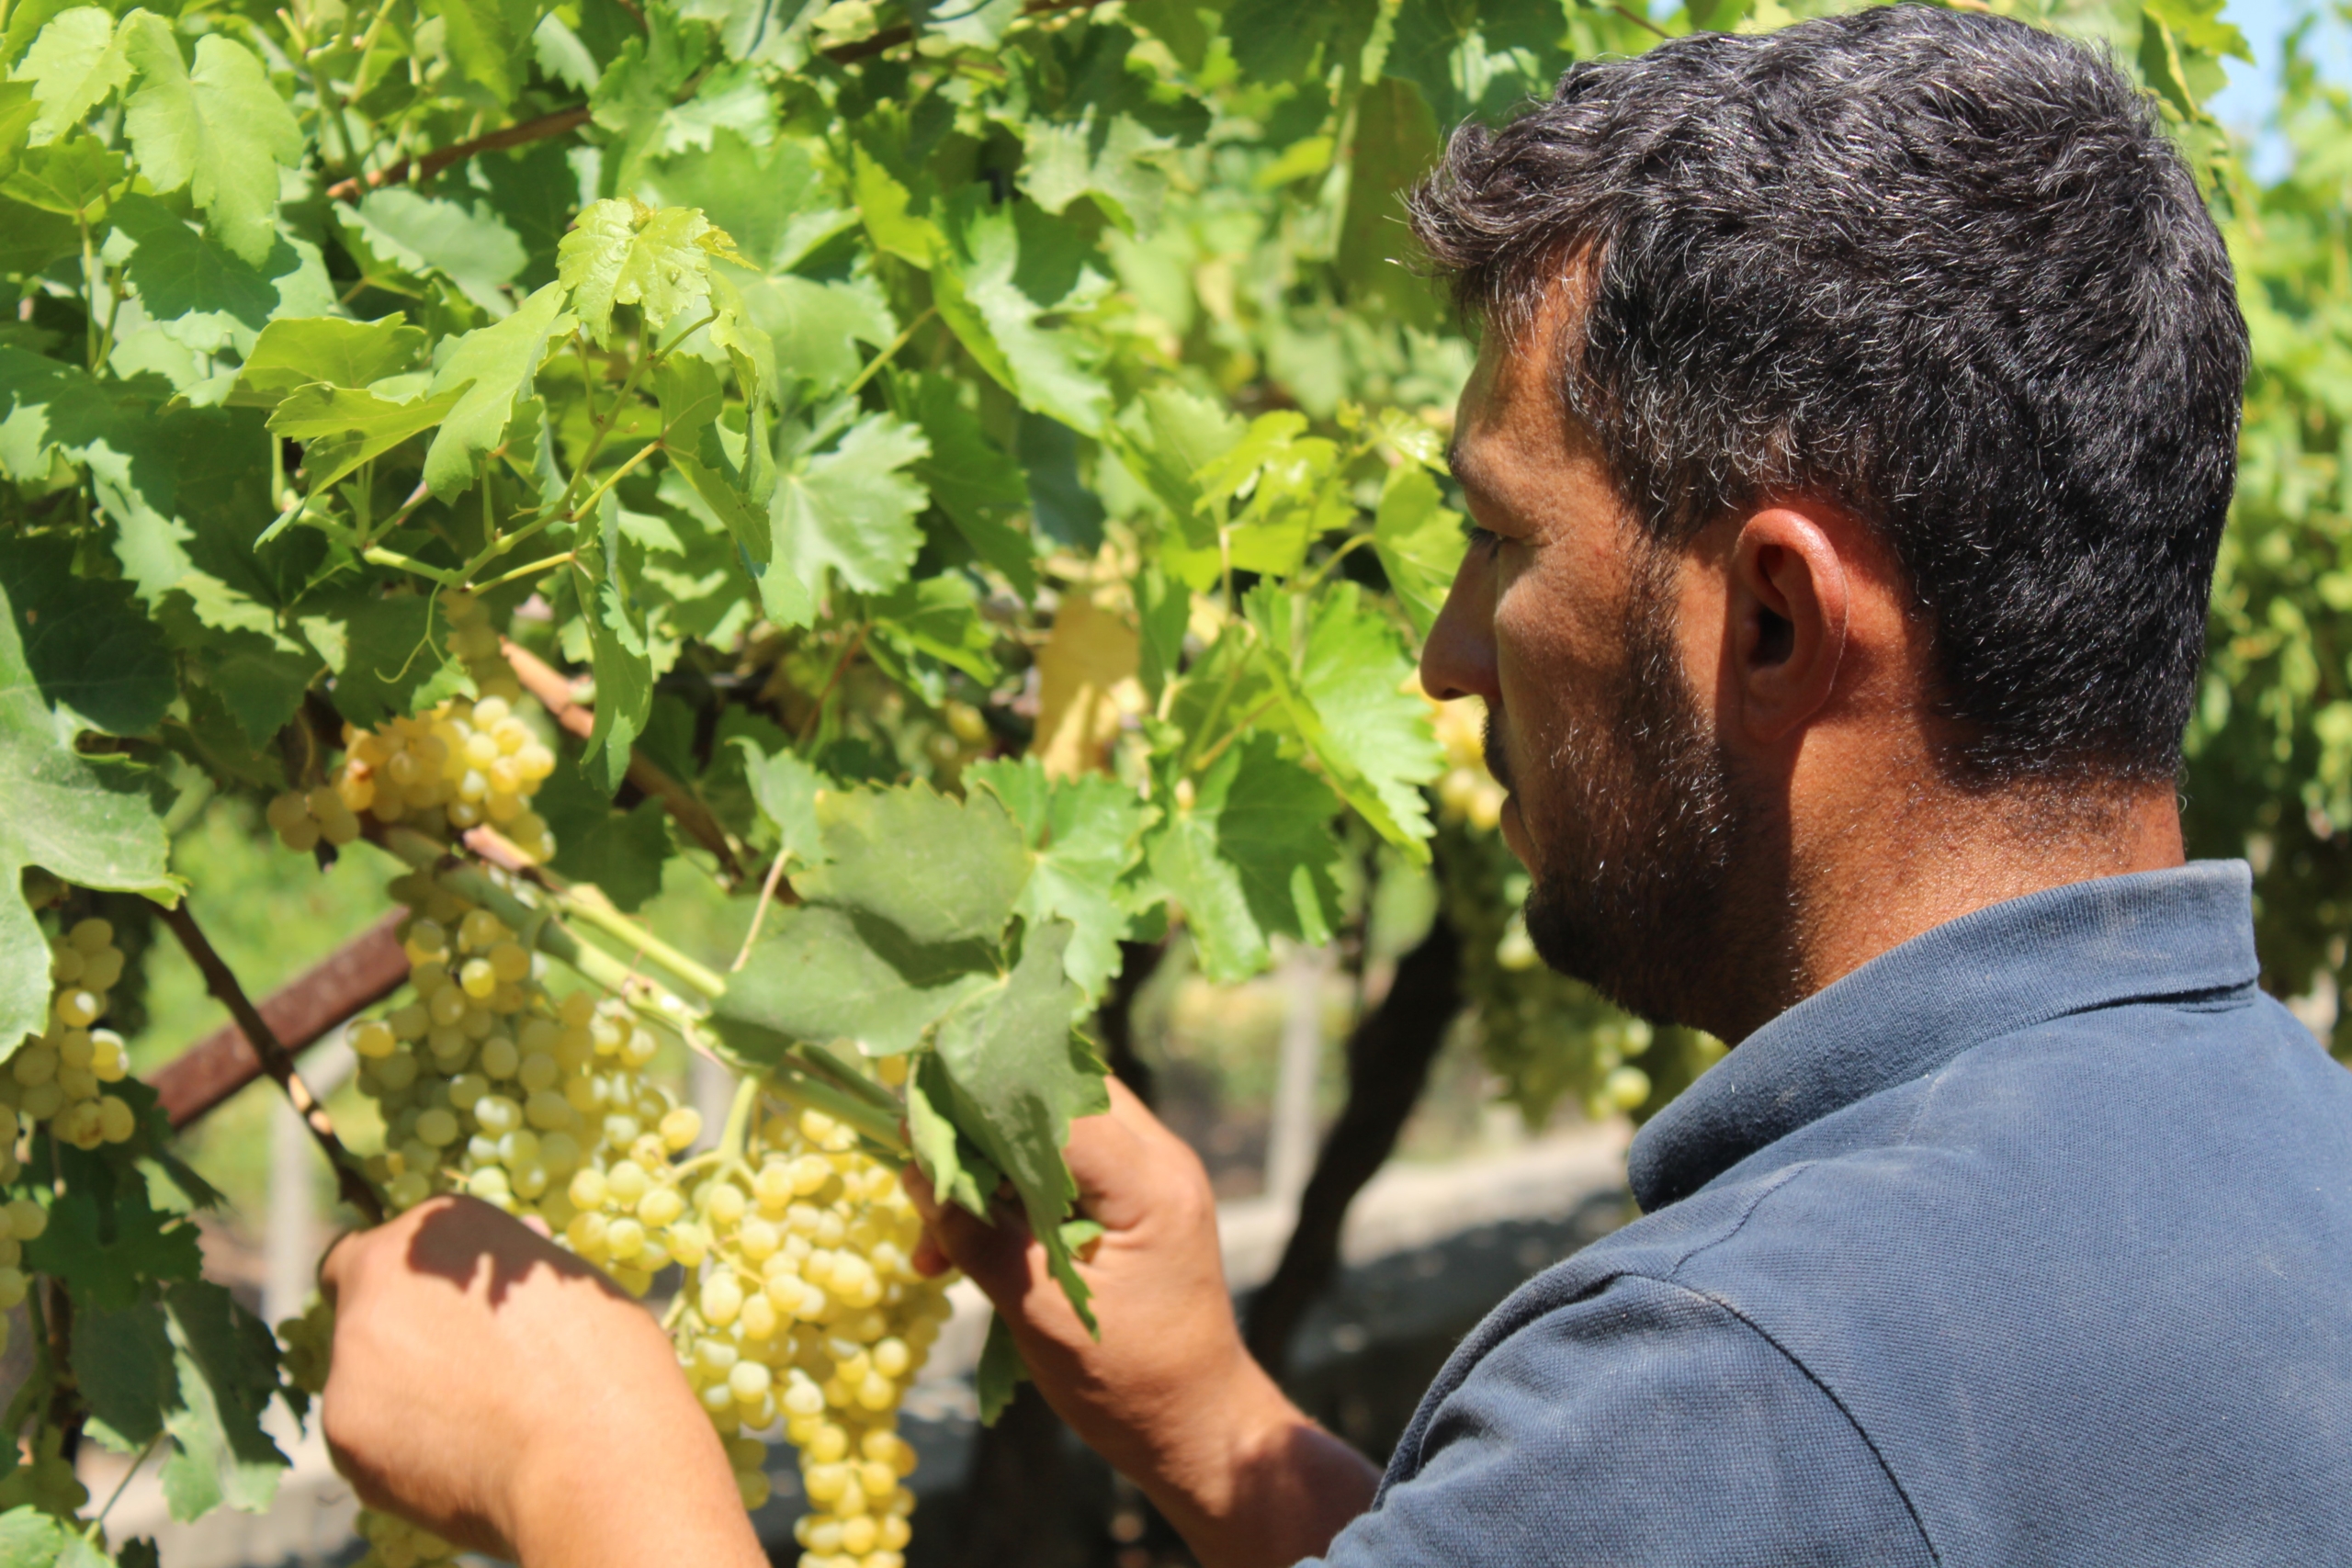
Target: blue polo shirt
{"points": [[2028, 1243]]}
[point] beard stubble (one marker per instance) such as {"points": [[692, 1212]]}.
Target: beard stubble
{"points": [[1642, 840]]}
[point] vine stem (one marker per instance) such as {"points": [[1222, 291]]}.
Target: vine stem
{"points": [[275, 1060], [554, 693], [760, 909]]}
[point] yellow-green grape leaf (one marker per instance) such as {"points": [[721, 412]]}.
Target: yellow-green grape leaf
{"points": [[1418, 542], [334, 350], [1249, 858], [74, 65], [622, 253], [220, 129], [1347, 684], [340, 428], [492, 368], [89, 822]]}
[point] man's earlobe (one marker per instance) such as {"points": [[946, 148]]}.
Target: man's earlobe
{"points": [[1789, 603]]}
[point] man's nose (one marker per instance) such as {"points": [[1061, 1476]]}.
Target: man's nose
{"points": [[1458, 660]]}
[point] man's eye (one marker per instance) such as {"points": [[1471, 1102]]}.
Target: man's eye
{"points": [[1479, 539]]}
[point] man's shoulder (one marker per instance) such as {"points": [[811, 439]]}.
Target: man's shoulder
{"points": [[2042, 1278]]}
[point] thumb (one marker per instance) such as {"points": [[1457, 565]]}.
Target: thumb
{"points": [[995, 1256]]}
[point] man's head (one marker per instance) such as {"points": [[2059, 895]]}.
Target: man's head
{"points": [[1855, 427]]}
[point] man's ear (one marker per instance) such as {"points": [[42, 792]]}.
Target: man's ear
{"points": [[1789, 606]]}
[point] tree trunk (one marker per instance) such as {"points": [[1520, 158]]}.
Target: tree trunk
{"points": [[1388, 1063]]}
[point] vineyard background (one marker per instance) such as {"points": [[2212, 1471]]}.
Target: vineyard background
{"points": [[1220, 200]]}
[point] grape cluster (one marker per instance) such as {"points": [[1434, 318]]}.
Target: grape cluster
{"points": [[60, 1076], [1467, 792], [464, 762], [489, 1085], [809, 1314]]}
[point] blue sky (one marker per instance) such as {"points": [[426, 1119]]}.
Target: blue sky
{"points": [[2244, 103]]}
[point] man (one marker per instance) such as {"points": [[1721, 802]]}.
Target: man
{"points": [[1848, 454]]}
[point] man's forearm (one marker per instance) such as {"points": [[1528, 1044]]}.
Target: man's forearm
{"points": [[1265, 1487]]}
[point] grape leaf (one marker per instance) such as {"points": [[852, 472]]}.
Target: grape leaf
{"points": [[85, 642], [997, 273], [470, 245], [1251, 859], [787, 788], [31, 239], [340, 428], [621, 852], [1020, 1075], [1477, 62], [389, 655], [939, 870], [938, 617], [1418, 542], [227, 1362], [1348, 686], [772, 200], [123, 1364], [1111, 134], [294, 351], [1396, 143], [104, 1253], [851, 511], [1278, 40], [824, 974], [75, 177], [204, 295], [816, 327], [74, 65], [90, 822], [495, 366], [958, 1172], [489, 40], [976, 483], [1087, 834], [623, 670], [1000, 1370], [30, 1538], [620, 253], [221, 129]]}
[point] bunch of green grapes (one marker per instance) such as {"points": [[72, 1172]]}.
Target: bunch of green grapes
{"points": [[489, 1085], [59, 1076], [809, 1315], [463, 763], [1466, 791]]}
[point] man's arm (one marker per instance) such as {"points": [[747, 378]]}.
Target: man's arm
{"points": [[495, 1389], [1168, 1394]]}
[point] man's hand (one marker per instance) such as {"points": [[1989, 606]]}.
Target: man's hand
{"points": [[1168, 1395], [507, 1396]]}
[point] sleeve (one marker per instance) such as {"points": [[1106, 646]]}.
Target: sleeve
{"points": [[1642, 1425]]}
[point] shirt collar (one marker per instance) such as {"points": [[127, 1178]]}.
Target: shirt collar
{"points": [[2179, 933]]}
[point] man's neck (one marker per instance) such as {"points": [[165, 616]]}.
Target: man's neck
{"points": [[1869, 886]]}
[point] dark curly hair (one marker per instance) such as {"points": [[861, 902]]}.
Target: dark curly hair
{"points": [[1939, 268]]}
